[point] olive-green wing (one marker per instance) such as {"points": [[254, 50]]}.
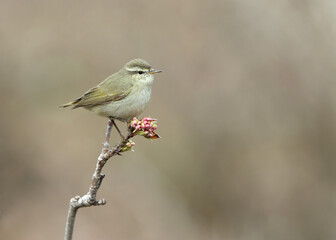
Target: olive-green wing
{"points": [[111, 89], [97, 96]]}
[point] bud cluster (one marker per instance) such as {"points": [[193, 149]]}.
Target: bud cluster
{"points": [[144, 127], [128, 146]]}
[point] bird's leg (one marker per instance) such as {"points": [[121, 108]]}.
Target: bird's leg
{"points": [[113, 122]]}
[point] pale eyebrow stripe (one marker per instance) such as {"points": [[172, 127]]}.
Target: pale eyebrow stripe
{"points": [[136, 69]]}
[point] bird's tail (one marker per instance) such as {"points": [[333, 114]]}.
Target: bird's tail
{"points": [[73, 103], [66, 105]]}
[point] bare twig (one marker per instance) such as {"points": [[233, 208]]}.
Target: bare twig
{"points": [[90, 199]]}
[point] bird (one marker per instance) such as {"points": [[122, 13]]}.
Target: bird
{"points": [[121, 96]]}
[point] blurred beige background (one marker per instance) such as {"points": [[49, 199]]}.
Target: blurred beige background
{"points": [[246, 108]]}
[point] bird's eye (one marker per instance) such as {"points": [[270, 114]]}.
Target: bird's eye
{"points": [[140, 72]]}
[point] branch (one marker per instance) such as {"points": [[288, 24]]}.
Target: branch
{"points": [[90, 199], [144, 127]]}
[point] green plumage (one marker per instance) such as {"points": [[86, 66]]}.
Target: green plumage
{"points": [[111, 89], [123, 95]]}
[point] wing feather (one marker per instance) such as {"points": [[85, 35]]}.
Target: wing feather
{"points": [[96, 96], [111, 89]]}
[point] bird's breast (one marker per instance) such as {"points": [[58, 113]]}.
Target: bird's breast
{"points": [[128, 107]]}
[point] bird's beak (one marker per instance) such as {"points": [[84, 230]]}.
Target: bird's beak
{"points": [[152, 71]]}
